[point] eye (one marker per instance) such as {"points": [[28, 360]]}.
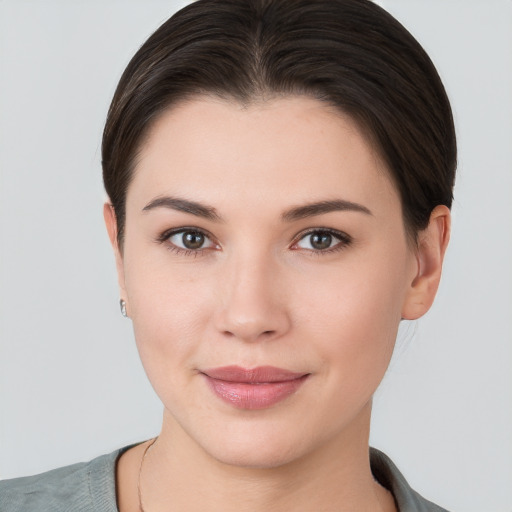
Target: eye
{"points": [[188, 240], [323, 240]]}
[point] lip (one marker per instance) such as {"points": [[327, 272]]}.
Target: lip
{"points": [[254, 388]]}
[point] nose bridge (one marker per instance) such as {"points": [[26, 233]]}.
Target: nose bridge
{"points": [[252, 306]]}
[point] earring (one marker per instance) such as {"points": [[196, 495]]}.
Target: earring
{"points": [[122, 305]]}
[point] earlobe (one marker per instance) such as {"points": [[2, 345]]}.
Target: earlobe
{"points": [[432, 244], [111, 224]]}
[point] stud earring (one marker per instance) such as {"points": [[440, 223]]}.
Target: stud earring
{"points": [[122, 305]]}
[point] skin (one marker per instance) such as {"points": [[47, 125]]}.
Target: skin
{"points": [[259, 293]]}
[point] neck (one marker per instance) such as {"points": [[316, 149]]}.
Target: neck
{"points": [[179, 475]]}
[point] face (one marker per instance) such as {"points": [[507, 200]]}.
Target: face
{"points": [[266, 269]]}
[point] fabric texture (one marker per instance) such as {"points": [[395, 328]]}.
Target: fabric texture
{"points": [[90, 487]]}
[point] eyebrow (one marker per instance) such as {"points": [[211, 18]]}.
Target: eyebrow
{"points": [[291, 215], [321, 207], [184, 205]]}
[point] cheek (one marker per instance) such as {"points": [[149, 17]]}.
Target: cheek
{"points": [[354, 314], [168, 306]]}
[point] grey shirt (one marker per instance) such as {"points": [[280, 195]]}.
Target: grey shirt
{"points": [[90, 487]]}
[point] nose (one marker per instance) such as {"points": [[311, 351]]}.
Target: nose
{"points": [[252, 304]]}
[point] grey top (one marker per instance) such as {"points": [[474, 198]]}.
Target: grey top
{"points": [[90, 487]]}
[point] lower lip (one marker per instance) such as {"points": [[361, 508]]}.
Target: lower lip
{"points": [[254, 396]]}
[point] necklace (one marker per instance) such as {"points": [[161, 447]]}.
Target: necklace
{"points": [[139, 492]]}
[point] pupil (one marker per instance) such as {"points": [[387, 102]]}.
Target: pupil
{"points": [[321, 240], [193, 240]]}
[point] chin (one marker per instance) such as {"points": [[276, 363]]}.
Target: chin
{"points": [[255, 456], [257, 445]]}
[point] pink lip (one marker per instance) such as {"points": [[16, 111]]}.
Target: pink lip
{"points": [[256, 388]]}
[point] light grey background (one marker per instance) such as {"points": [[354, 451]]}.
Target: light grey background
{"points": [[71, 385]]}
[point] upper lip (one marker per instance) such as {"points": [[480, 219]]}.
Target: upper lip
{"points": [[260, 374]]}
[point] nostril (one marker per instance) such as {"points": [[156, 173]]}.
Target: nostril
{"points": [[262, 335]]}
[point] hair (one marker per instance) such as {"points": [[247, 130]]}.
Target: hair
{"points": [[350, 54]]}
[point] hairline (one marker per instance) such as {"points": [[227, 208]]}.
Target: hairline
{"points": [[258, 100]]}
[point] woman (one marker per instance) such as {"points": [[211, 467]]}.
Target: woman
{"points": [[280, 175]]}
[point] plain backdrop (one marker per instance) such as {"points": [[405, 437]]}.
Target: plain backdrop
{"points": [[71, 385]]}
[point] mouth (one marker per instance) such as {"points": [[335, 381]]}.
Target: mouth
{"points": [[255, 388]]}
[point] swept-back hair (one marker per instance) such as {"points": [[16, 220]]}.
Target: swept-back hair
{"points": [[351, 54]]}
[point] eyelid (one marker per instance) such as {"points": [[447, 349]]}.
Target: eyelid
{"points": [[344, 240], [164, 237]]}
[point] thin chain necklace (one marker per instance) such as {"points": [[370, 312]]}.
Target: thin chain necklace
{"points": [[141, 508]]}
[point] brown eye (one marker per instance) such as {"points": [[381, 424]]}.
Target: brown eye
{"points": [[190, 240], [322, 240]]}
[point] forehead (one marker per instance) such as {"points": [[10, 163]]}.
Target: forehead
{"points": [[212, 149]]}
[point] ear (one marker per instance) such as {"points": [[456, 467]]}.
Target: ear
{"points": [[111, 224], [432, 243]]}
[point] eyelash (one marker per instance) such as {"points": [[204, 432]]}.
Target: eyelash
{"points": [[164, 239], [345, 241]]}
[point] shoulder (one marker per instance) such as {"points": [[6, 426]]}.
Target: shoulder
{"points": [[389, 476], [82, 487]]}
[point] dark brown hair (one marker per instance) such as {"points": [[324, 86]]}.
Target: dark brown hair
{"points": [[349, 53]]}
